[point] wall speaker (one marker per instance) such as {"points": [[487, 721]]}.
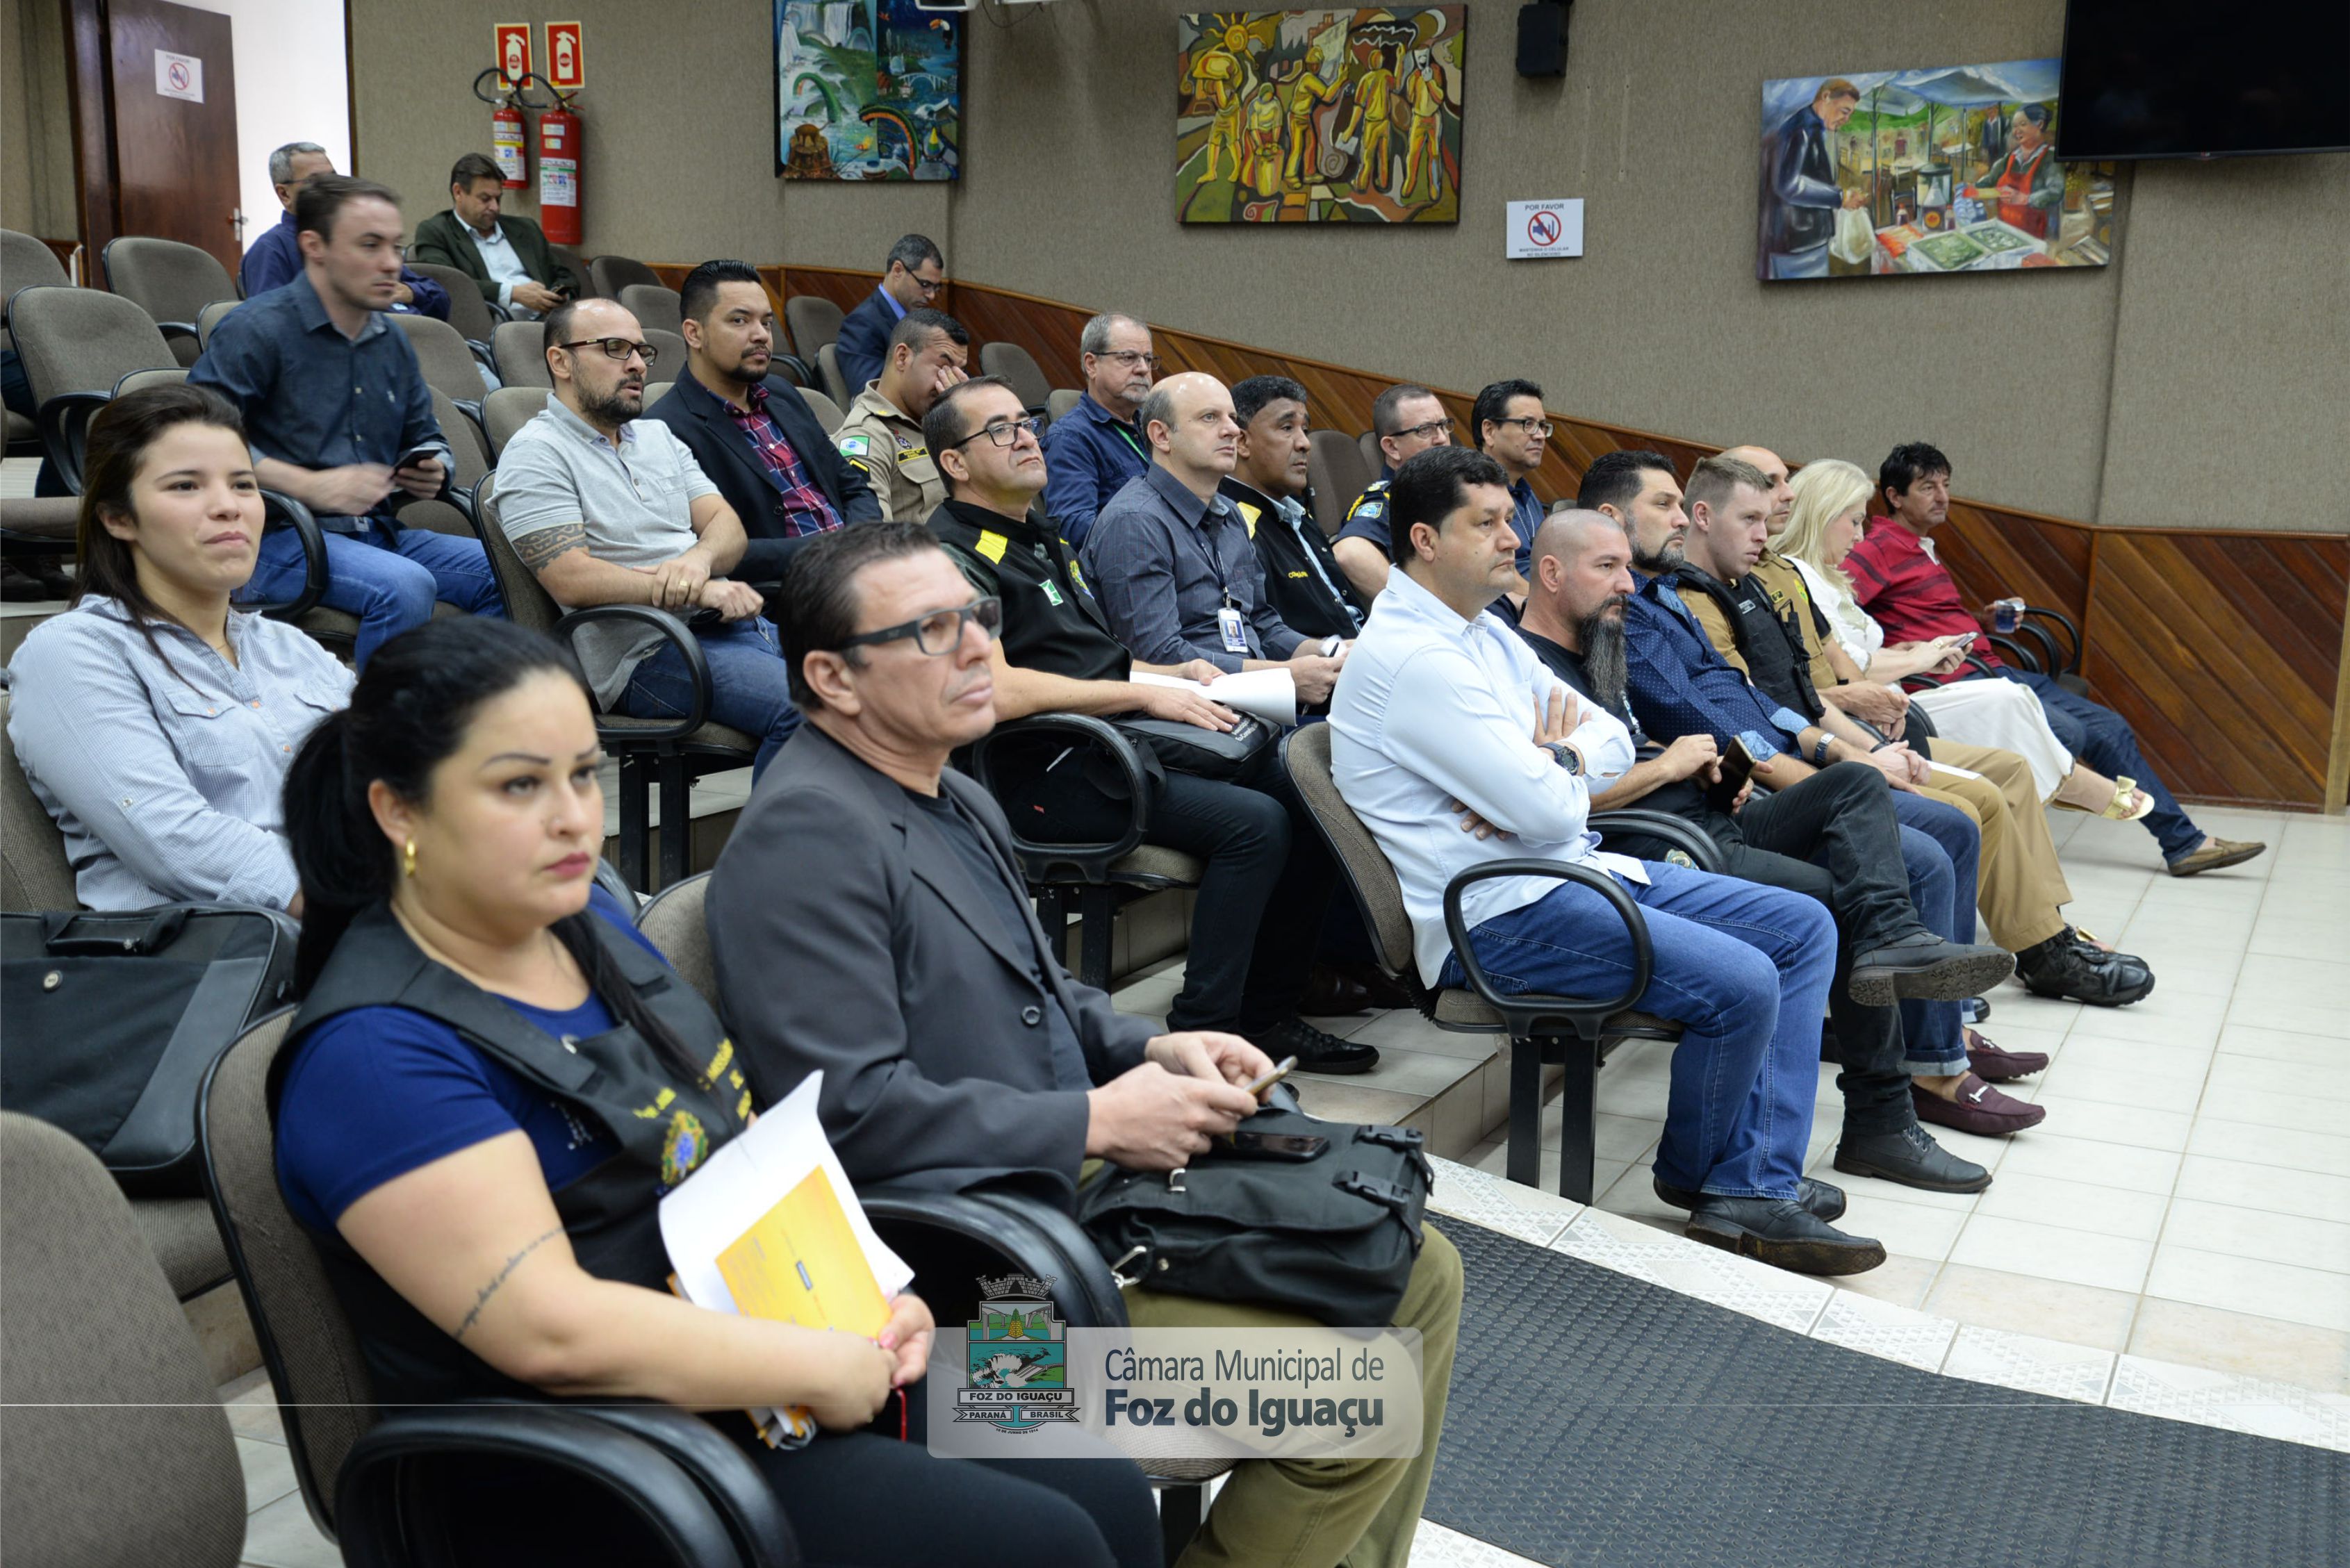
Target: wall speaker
{"points": [[1542, 38]]}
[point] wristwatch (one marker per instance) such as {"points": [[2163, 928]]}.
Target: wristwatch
{"points": [[1565, 755], [1819, 750]]}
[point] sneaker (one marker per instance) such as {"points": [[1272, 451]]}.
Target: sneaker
{"points": [[1315, 1050], [2068, 968], [1781, 1232], [2216, 852], [1980, 1109], [1908, 1156], [1927, 968], [1824, 1201]]}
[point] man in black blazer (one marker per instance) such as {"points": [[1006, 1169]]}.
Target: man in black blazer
{"points": [[750, 432], [507, 256], [867, 921], [912, 274]]}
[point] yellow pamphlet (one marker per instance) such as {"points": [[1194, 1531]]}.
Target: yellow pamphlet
{"points": [[800, 1262]]}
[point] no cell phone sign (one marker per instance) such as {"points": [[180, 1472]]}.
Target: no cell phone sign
{"points": [[1540, 229]]}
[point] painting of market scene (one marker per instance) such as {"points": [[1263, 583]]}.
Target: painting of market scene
{"points": [[1347, 116], [1948, 170], [866, 89]]}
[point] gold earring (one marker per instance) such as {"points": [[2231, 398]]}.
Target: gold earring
{"points": [[408, 858]]}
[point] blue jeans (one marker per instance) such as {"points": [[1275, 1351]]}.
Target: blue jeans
{"points": [[2103, 738], [1743, 968], [1942, 890], [749, 686], [387, 576]]}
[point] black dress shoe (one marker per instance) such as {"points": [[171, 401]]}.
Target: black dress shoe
{"points": [[1973, 1009], [1908, 1158], [1781, 1232], [2066, 967], [1826, 1202], [1927, 968], [1315, 1050], [1332, 994]]}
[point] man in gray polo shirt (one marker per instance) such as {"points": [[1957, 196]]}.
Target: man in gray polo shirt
{"points": [[608, 509]]}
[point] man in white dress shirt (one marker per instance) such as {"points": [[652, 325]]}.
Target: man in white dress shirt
{"points": [[1441, 707]]}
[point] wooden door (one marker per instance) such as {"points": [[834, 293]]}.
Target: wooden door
{"points": [[175, 156]]}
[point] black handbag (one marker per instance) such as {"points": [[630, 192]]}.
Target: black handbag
{"points": [[114, 1019], [1333, 1237], [1224, 754]]}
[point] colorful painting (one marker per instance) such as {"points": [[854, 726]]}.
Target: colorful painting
{"points": [[866, 89], [1320, 116], [1948, 170]]}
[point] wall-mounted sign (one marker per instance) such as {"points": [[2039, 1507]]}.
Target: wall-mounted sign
{"points": [[567, 62], [512, 51], [1540, 228], [179, 76]]}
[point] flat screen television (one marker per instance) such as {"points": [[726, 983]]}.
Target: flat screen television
{"points": [[2195, 79]]}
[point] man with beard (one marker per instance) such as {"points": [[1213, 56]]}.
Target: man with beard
{"points": [[1832, 838], [750, 432], [609, 509]]}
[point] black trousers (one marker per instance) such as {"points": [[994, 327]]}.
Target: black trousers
{"points": [[1833, 839], [1256, 922]]}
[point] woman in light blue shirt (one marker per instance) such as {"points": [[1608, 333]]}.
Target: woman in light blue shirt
{"points": [[155, 724]]}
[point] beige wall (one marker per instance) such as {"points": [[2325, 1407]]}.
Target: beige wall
{"points": [[37, 172], [2073, 393]]}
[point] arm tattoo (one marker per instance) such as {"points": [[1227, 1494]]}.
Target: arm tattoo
{"points": [[498, 1280], [540, 548]]}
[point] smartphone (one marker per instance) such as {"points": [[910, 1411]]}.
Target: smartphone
{"points": [[1737, 767], [1299, 1146], [1273, 1076], [415, 455], [1961, 640]]}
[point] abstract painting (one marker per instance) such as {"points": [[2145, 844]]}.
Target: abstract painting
{"points": [[1348, 116], [1947, 170], [866, 89]]}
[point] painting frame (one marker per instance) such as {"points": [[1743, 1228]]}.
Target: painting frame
{"points": [[867, 92]]}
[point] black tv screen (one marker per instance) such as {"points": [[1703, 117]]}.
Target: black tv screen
{"points": [[2195, 79]]}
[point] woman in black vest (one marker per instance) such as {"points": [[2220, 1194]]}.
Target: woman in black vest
{"points": [[494, 1078]]}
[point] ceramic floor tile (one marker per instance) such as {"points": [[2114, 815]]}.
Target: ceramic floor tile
{"points": [[2317, 1297], [282, 1536], [1434, 1546], [2262, 1234], [1648, 1253], [1344, 1100], [2323, 1153], [1906, 1230], [2109, 1211], [1467, 1193], [1492, 1159], [2294, 1111], [269, 1471], [2191, 1020], [1897, 1281], [2280, 1045], [2090, 1053], [2323, 1013], [2295, 935], [1634, 1194], [2080, 1159], [2228, 1399], [2271, 1186], [1994, 1298], [2151, 1090], [1418, 1072], [2227, 1341], [2053, 1253], [1612, 1137], [1345, 1027], [2135, 1126], [1409, 1029], [1881, 1329], [2051, 1367]]}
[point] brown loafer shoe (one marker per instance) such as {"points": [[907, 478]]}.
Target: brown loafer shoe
{"points": [[2216, 852], [1978, 1110], [1997, 1067]]}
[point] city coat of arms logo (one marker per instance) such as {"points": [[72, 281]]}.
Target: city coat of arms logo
{"points": [[1017, 1367]]}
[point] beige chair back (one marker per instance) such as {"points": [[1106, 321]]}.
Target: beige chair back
{"points": [[1378, 894], [208, 320], [469, 313], [527, 601], [1060, 400], [675, 923], [168, 280], [26, 262], [34, 871], [140, 380], [83, 341], [828, 413], [813, 322], [518, 348], [566, 256], [509, 409], [118, 1451], [612, 276], [1019, 368], [670, 359], [654, 305], [1334, 467], [440, 353], [827, 369], [1367, 444]]}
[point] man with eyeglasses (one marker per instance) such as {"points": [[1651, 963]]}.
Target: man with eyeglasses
{"points": [[882, 436], [1249, 966], [507, 256], [339, 417], [868, 921], [1269, 486], [607, 508], [274, 259], [752, 434], [1511, 430], [913, 273], [1091, 452], [1407, 421]]}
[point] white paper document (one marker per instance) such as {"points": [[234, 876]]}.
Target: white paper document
{"points": [[1267, 694]]}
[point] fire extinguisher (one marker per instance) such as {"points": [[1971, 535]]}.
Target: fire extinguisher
{"points": [[558, 172], [507, 131]]}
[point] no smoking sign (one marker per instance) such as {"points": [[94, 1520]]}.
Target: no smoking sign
{"points": [[1542, 229]]}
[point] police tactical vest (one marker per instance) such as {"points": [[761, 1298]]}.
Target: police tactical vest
{"points": [[1775, 657]]}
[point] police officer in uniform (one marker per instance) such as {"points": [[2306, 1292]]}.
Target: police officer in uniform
{"points": [[882, 435], [1407, 421]]}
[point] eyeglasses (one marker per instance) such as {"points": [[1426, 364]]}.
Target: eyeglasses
{"points": [[1006, 433], [1427, 431], [937, 633], [930, 290], [616, 348], [1534, 427], [1131, 357]]}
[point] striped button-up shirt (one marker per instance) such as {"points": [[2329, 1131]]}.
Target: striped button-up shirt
{"points": [[1896, 577]]}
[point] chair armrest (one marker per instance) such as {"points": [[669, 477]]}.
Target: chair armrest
{"points": [[1679, 832], [384, 1493], [1528, 1012], [803, 374], [2071, 662], [689, 648], [280, 510], [64, 426], [2014, 652], [1086, 862], [1923, 682], [1028, 1234], [179, 329], [728, 1479]]}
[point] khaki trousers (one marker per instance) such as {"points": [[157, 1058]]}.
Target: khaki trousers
{"points": [[1319, 1514], [2021, 889]]}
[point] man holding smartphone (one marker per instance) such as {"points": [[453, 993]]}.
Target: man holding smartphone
{"points": [[339, 417]]}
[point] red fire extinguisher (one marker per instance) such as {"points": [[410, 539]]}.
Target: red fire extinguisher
{"points": [[558, 172], [507, 131]]}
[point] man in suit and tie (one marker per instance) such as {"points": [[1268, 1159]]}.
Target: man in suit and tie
{"points": [[750, 432], [866, 920], [507, 257], [912, 275]]}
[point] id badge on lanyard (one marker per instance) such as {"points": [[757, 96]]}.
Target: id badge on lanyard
{"points": [[1234, 630]]}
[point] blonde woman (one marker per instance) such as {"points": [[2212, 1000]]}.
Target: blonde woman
{"points": [[1831, 508]]}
